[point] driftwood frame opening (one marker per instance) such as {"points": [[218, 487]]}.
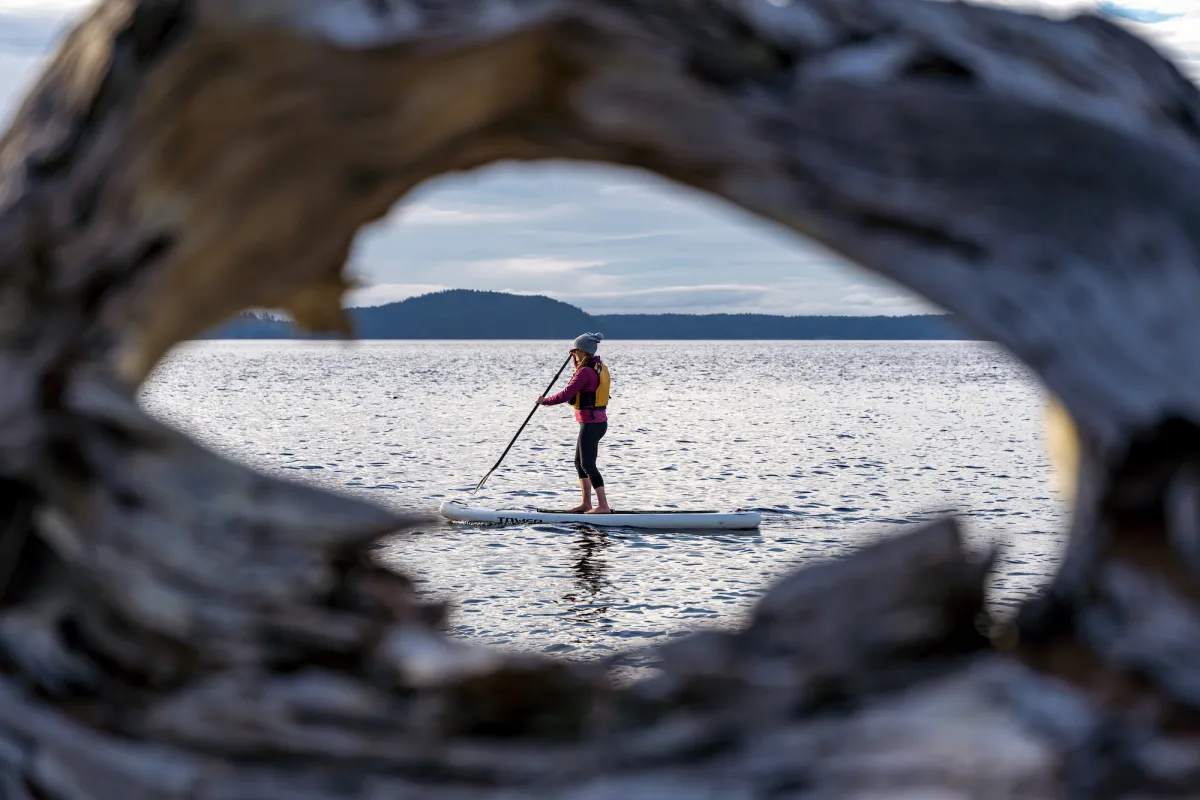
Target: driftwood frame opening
{"points": [[176, 626]]}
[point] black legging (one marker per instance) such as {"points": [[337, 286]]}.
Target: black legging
{"points": [[586, 447]]}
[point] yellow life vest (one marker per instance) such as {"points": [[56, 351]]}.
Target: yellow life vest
{"points": [[597, 400]]}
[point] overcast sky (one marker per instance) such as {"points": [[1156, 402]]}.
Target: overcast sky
{"points": [[608, 240]]}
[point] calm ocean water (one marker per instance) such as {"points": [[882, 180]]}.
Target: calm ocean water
{"points": [[836, 443]]}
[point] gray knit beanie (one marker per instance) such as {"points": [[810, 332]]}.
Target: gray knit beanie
{"points": [[588, 342]]}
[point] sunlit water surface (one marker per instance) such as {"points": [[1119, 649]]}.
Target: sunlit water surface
{"points": [[836, 443]]}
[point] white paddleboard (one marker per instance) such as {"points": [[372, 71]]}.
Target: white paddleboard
{"points": [[458, 511]]}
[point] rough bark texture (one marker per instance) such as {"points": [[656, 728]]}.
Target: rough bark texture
{"points": [[176, 626]]}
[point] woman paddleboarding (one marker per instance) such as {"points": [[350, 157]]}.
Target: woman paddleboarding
{"points": [[588, 393]]}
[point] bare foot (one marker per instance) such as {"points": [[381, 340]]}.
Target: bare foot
{"points": [[580, 509], [600, 510]]}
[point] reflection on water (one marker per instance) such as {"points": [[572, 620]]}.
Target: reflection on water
{"points": [[833, 442], [586, 606]]}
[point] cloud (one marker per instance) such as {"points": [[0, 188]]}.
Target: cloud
{"points": [[669, 299], [531, 265], [1148, 16], [861, 298], [29, 33], [637, 190], [862, 303], [1173, 26], [382, 293], [46, 7], [35, 25], [787, 296], [443, 214]]}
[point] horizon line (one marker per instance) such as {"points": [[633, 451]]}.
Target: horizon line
{"points": [[282, 316], [640, 313]]}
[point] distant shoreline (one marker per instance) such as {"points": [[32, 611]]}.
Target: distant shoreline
{"points": [[467, 315], [515, 340]]}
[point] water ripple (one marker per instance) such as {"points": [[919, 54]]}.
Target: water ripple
{"points": [[834, 443]]}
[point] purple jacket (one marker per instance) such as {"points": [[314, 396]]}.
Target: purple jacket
{"points": [[584, 380]]}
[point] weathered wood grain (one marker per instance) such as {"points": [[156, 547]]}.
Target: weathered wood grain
{"points": [[174, 625]]}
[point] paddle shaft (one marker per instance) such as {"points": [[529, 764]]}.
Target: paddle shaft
{"points": [[553, 381]]}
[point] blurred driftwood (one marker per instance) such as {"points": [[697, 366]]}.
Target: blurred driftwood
{"points": [[176, 626]]}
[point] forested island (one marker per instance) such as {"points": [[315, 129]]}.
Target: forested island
{"points": [[470, 314]]}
